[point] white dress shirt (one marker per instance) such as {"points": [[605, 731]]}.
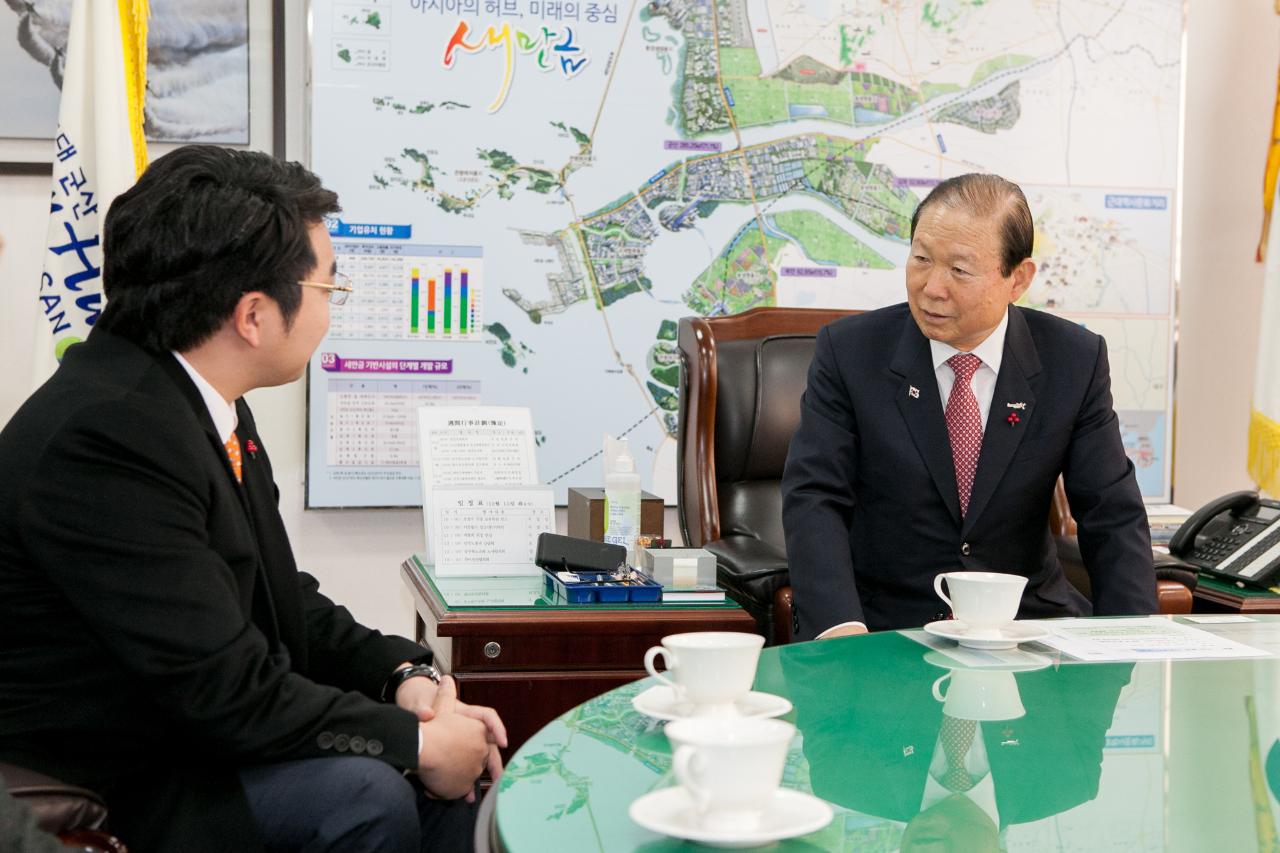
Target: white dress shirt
{"points": [[223, 413], [983, 792]]}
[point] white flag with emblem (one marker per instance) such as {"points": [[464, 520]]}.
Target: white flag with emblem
{"points": [[98, 153]]}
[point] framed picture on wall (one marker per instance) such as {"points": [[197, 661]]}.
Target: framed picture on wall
{"points": [[209, 68]]}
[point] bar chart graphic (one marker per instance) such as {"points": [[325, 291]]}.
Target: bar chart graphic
{"points": [[410, 292]]}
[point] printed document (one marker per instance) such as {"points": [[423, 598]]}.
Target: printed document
{"points": [[1140, 639]]}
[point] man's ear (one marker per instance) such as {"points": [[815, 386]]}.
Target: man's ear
{"points": [[249, 316], [1023, 273]]}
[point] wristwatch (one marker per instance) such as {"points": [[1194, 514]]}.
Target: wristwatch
{"points": [[400, 676]]}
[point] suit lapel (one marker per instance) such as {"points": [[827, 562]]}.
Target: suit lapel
{"points": [[192, 394], [283, 610], [1000, 439], [921, 408]]}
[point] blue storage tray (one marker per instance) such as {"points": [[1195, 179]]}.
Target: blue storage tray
{"points": [[599, 588]]}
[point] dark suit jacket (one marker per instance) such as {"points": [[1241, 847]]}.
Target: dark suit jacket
{"points": [[870, 505], [871, 723], [157, 634]]}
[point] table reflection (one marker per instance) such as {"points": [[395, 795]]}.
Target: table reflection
{"points": [[1001, 748]]}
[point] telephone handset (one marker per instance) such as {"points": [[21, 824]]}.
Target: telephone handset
{"points": [[1236, 537]]}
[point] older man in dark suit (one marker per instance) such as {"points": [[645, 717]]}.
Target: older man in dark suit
{"points": [[932, 434], [160, 644]]}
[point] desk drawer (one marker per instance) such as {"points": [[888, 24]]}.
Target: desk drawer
{"points": [[527, 701], [499, 652]]}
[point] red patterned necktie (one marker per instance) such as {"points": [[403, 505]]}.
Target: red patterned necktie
{"points": [[964, 424]]}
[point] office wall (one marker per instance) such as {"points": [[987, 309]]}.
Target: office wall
{"points": [[1232, 55]]}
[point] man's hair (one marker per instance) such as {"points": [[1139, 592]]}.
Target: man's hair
{"points": [[988, 195], [203, 226]]}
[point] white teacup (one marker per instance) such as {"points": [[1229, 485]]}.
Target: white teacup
{"points": [[730, 766], [710, 669], [979, 694], [983, 601]]}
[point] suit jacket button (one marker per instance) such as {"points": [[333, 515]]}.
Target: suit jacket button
{"points": [[374, 747], [964, 549], [357, 744], [325, 740], [342, 743]]}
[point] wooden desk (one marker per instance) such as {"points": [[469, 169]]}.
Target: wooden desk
{"points": [[1216, 596], [531, 660]]}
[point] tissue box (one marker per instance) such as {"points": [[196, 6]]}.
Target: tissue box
{"points": [[679, 568], [586, 514]]}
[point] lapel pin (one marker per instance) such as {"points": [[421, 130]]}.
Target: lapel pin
{"points": [[1013, 419], [251, 447], [913, 392], [1016, 405]]}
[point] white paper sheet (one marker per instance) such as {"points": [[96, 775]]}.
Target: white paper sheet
{"points": [[1139, 639], [471, 446], [489, 531]]}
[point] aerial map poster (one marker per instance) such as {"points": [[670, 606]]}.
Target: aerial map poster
{"points": [[535, 191]]}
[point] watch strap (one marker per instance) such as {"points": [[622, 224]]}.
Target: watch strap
{"points": [[400, 676]]}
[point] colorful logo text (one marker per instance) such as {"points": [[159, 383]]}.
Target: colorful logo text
{"points": [[550, 49]]}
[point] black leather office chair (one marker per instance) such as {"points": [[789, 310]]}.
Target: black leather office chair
{"points": [[1175, 580], [741, 380]]}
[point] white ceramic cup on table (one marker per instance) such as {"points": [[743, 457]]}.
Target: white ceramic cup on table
{"points": [[731, 767], [984, 601], [708, 669]]}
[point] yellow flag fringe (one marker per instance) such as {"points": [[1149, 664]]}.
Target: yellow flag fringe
{"points": [[1264, 452], [133, 34]]}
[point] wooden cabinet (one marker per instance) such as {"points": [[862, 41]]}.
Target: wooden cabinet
{"points": [[534, 662]]}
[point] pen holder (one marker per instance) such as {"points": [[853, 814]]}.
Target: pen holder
{"points": [[600, 588]]}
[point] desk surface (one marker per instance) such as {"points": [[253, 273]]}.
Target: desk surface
{"points": [[520, 592], [1150, 756]]}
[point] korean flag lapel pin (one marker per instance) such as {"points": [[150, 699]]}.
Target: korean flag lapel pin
{"points": [[913, 392]]}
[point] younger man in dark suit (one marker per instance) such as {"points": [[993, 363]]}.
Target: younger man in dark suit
{"points": [[160, 645], [932, 434]]}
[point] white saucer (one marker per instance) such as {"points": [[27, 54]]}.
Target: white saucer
{"points": [[660, 702], [790, 813], [1010, 635], [1032, 662]]}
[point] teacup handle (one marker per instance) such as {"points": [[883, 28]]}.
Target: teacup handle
{"points": [[688, 766], [937, 587], [937, 688], [669, 659]]}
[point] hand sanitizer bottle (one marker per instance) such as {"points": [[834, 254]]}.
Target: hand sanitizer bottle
{"points": [[622, 504]]}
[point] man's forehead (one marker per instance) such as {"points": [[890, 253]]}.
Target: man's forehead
{"points": [[958, 232], [326, 259]]}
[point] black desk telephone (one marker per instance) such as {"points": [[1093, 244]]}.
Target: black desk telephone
{"points": [[1236, 537]]}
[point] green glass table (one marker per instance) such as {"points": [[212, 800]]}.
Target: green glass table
{"points": [[1160, 756]]}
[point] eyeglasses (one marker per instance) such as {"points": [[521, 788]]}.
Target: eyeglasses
{"points": [[339, 291]]}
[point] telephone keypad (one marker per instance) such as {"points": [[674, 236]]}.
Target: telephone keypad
{"points": [[1219, 547]]}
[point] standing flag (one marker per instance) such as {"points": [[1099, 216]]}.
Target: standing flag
{"points": [[99, 152], [1264, 419], [1271, 174]]}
